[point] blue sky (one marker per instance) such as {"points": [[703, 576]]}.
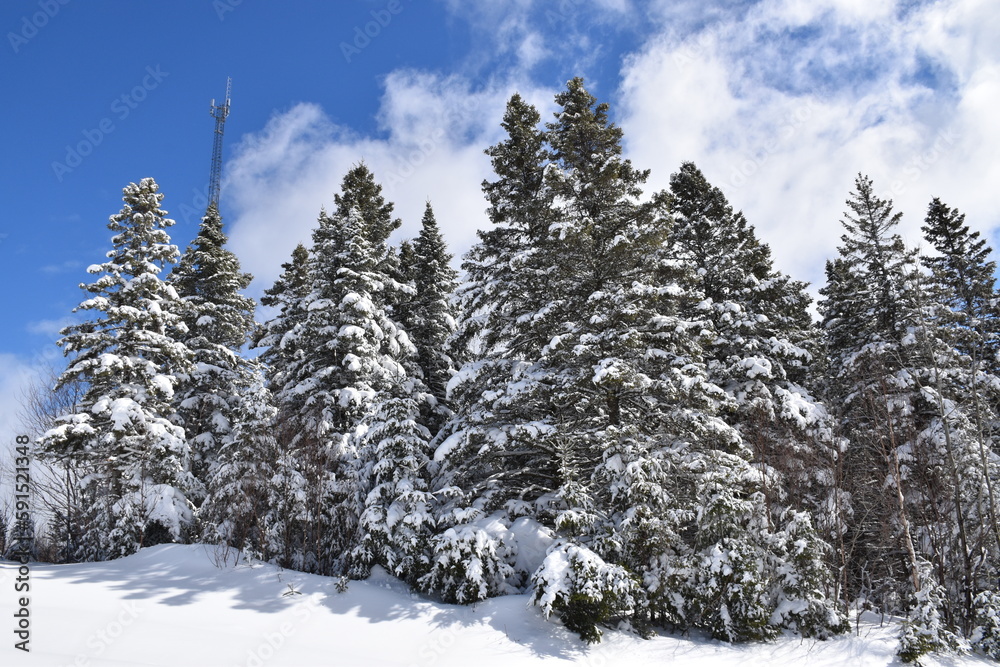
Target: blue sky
{"points": [[780, 102]]}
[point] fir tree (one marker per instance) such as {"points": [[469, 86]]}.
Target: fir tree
{"points": [[129, 355], [218, 319]]}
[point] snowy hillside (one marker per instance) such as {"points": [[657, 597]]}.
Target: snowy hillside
{"points": [[180, 605]]}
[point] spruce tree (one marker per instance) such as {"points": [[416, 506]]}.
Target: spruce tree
{"points": [[914, 454], [285, 297], [235, 510], [360, 191], [129, 355], [499, 293], [869, 308], [337, 352], [428, 318], [218, 319], [397, 523], [762, 347], [963, 316], [963, 274]]}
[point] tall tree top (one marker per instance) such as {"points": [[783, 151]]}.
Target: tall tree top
{"points": [[209, 279], [583, 139], [293, 282], [519, 163], [963, 263], [359, 190], [720, 242], [142, 244]]}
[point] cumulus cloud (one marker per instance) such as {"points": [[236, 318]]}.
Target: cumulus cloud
{"points": [[433, 132], [783, 103]]}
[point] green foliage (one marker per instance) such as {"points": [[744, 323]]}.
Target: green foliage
{"points": [[583, 590], [986, 636], [925, 630], [466, 566]]}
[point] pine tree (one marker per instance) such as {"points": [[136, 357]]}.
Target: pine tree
{"points": [[129, 355], [501, 283], [218, 319], [587, 405]]}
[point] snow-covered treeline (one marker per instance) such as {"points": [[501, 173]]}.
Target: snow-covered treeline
{"points": [[622, 409]]}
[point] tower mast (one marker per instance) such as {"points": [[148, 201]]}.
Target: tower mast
{"points": [[219, 112]]}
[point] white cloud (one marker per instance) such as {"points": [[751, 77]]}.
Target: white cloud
{"points": [[784, 120], [780, 102], [435, 130]]}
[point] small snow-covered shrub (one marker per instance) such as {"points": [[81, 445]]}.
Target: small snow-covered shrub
{"points": [[986, 636], [731, 593], [802, 579], [924, 630], [466, 566], [583, 590]]}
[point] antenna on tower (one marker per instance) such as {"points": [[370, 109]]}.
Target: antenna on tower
{"points": [[219, 113]]}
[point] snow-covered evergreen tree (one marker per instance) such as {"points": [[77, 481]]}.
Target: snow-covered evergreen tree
{"points": [[428, 318], [986, 635], [360, 191], [924, 630], [763, 343], [218, 319], [583, 590], [914, 468], [587, 405], [285, 297], [238, 489], [963, 274], [397, 523], [130, 355], [868, 309], [496, 299], [338, 352]]}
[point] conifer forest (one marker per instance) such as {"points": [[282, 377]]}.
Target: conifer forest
{"points": [[618, 405]]}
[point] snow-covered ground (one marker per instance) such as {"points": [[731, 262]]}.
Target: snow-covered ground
{"points": [[182, 605]]}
